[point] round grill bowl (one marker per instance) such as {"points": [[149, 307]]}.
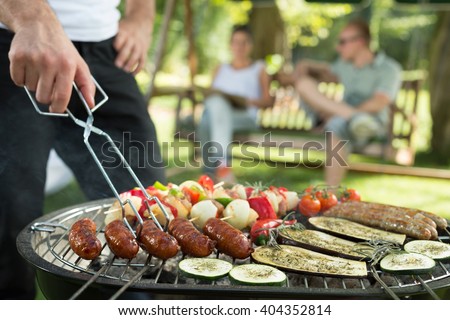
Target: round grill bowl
{"points": [[50, 255]]}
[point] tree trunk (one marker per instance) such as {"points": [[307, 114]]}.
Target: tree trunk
{"points": [[160, 47], [268, 31], [439, 89], [189, 30]]}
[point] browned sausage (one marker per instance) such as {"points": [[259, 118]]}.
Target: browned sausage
{"points": [[157, 242], [83, 239], [230, 240], [421, 217], [120, 240], [192, 242], [441, 223], [390, 221]]}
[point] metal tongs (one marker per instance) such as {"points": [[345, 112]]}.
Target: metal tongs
{"points": [[90, 128]]}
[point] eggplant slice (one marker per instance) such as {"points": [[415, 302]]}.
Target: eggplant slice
{"points": [[321, 242], [299, 260], [350, 229]]}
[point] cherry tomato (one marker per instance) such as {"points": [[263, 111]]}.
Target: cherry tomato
{"points": [[327, 199], [309, 206], [350, 195], [206, 182]]}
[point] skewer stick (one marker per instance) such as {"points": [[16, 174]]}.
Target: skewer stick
{"points": [[112, 211], [194, 219], [218, 185], [223, 218]]}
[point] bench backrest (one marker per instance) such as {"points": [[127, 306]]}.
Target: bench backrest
{"points": [[285, 115]]}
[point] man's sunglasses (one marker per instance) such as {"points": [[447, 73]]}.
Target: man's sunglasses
{"points": [[344, 41]]}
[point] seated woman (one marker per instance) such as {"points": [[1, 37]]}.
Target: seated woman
{"points": [[245, 80]]}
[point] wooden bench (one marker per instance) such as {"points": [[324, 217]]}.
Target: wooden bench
{"points": [[287, 122]]}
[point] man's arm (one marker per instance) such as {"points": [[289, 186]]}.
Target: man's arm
{"points": [[135, 34], [321, 71], [375, 104], [42, 58]]}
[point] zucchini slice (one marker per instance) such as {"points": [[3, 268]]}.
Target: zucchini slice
{"points": [[434, 249], [321, 242], [204, 268], [407, 263], [300, 260], [257, 275], [355, 230]]}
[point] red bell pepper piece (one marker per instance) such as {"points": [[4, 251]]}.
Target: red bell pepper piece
{"points": [[206, 182], [260, 230], [263, 207], [192, 195], [249, 191]]}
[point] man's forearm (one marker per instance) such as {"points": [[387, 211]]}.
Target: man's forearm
{"points": [[16, 14], [375, 104], [141, 11]]}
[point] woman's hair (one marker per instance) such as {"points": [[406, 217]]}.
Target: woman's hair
{"points": [[242, 28]]}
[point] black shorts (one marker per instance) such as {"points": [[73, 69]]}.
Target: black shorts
{"points": [[26, 139]]}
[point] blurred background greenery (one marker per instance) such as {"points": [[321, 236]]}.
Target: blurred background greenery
{"points": [[311, 30]]}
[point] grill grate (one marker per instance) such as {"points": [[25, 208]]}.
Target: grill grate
{"points": [[146, 271]]}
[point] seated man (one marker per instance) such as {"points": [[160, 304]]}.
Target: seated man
{"points": [[371, 81]]}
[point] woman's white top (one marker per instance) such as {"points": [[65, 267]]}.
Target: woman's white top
{"points": [[87, 20], [241, 82]]}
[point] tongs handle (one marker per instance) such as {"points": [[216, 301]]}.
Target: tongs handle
{"points": [[67, 112], [88, 128]]}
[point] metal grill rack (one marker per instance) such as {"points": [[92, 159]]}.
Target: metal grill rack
{"points": [[51, 244]]}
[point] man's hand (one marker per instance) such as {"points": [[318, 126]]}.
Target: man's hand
{"points": [[42, 58], [132, 43], [45, 61], [135, 35]]}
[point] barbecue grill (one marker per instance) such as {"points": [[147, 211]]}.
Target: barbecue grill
{"points": [[60, 272]]}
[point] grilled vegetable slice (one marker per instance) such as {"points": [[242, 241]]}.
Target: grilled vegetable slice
{"points": [[321, 242], [300, 260], [433, 249], [257, 275], [355, 230], [407, 263], [204, 268]]}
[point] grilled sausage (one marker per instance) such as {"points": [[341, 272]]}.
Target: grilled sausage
{"points": [[192, 242], [440, 222], [120, 240], [422, 220], [230, 240], [157, 242], [421, 217], [83, 239], [382, 219]]}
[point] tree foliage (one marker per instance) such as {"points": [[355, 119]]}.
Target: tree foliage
{"points": [[311, 30]]}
